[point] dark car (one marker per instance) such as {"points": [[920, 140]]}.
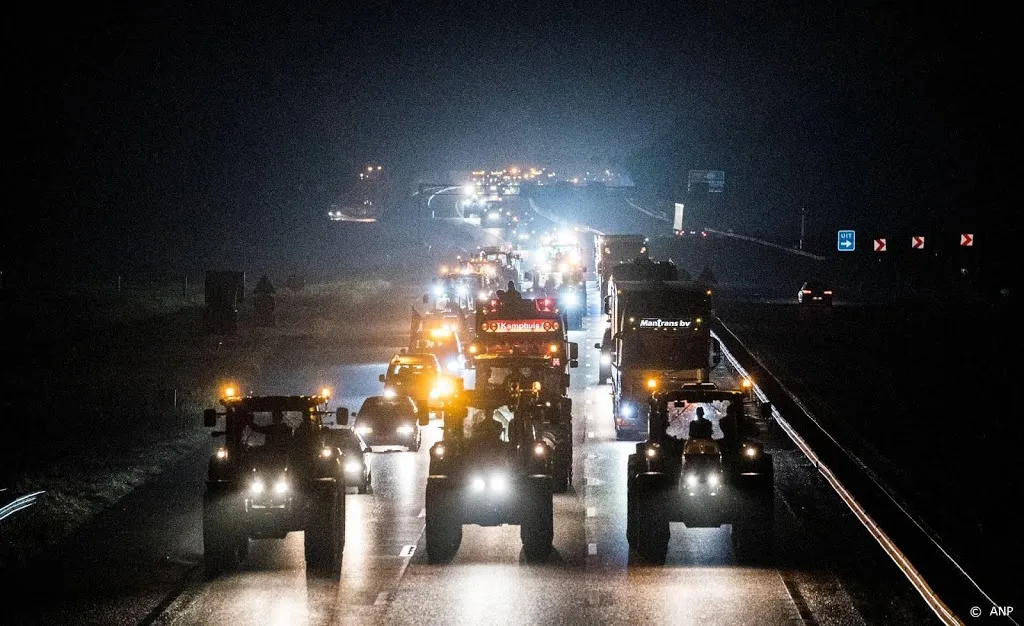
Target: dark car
{"points": [[814, 293], [356, 460], [389, 421]]}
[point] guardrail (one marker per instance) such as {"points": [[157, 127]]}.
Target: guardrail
{"points": [[904, 539], [11, 504]]}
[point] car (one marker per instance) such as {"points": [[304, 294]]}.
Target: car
{"points": [[355, 460], [419, 375], [389, 420], [814, 293]]}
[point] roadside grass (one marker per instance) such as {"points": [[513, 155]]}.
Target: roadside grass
{"points": [[115, 382]]}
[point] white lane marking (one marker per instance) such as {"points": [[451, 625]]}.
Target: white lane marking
{"points": [[407, 550], [382, 599], [591, 511], [591, 549]]}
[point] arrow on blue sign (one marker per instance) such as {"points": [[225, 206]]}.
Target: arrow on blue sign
{"points": [[847, 241]]}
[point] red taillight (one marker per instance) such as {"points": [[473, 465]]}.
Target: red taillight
{"points": [[807, 291], [828, 293]]}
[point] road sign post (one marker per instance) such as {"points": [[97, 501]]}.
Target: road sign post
{"points": [[847, 241]]}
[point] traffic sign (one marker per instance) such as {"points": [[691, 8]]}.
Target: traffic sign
{"points": [[917, 242], [847, 241], [880, 245], [966, 239]]}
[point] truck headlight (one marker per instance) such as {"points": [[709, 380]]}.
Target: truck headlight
{"points": [[478, 484], [571, 300], [353, 466], [281, 487], [257, 486], [627, 410], [222, 454], [364, 430], [606, 359], [750, 451], [389, 393], [499, 483], [691, 480], [404, 429], [714, 479]]}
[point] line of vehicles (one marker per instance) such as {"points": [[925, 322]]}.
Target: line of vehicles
{"points": [[494, 368]]}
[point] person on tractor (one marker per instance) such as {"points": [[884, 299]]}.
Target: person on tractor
{"points": [[700, 427]]}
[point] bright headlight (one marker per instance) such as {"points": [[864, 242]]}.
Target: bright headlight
{"points": [[478, 484], [627, 410], [326, 453], [606, 359], [714, 479], [454, 365], [499, 483], [353, 466], [461, 290], [691, 480], [222, 454], [571, 300], [652, 452], [438, 290], [750, 451], [281, 487], [405, 429], [364, 430], [257, 486], [389, 393]]}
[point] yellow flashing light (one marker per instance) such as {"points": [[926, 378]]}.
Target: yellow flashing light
{"points": [[747, 383], [553, 348], [652, 383], [230, 391], [326, 392]]}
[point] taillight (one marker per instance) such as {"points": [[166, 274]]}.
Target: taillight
{"points": [[828, 293], [807, 291]]}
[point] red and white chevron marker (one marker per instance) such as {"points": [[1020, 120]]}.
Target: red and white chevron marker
{"points": [[917, 242], [880, 245], [966, 239]]}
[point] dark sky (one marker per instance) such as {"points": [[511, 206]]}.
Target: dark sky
{"points": [[177, 125]]}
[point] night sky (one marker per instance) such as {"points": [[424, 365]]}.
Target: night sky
{"points": [[143, 136]]}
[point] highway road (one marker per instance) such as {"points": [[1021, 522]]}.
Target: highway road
{"points": [[142, 561]]}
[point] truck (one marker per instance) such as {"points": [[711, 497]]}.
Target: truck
{"points": [[642, 268], [526, 338], [704, 464], [661, 338], [614, 249]]}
